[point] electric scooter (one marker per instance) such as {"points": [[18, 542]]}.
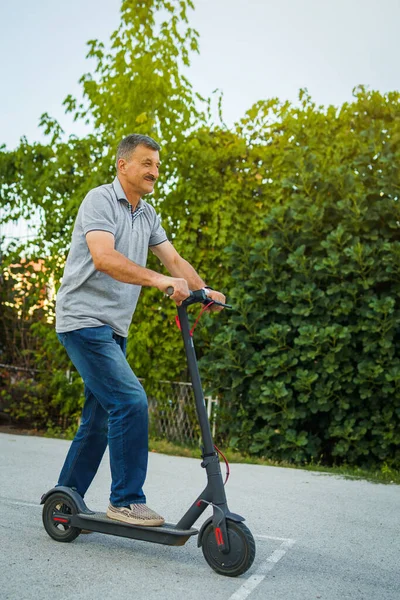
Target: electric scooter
{"points": [[227, 544]]}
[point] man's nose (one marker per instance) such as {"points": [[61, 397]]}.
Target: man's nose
{"points": [[154, 172]]}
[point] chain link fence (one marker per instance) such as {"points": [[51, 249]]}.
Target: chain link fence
{"points": [[172, 409], [173, 414]]}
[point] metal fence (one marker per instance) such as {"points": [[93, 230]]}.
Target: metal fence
{"points": [[173, 413], [172, 410]]}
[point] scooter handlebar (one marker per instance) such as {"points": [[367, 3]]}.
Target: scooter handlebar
{"points": [[197, 296]]}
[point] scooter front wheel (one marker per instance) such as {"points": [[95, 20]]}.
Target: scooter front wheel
{"points": [[242, 549], [56, 513]]}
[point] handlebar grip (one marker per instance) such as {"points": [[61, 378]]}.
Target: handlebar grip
{"points": [[170, 290]]}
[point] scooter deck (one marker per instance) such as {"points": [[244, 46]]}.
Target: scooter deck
{"points": [[167, 534]]}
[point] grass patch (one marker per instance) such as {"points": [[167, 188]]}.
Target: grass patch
{"points": [[383, 475]]}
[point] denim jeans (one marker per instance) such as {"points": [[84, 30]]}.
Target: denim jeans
{"points": [[115, 412]]}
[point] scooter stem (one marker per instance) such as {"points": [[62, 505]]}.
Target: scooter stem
{"points": [[208, 443], [214, 493]]}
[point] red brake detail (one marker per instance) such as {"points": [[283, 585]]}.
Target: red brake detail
{"points": [[199, 503], [203, 308], [196, 321], [60, 520], [228, 472], [218, 536]]}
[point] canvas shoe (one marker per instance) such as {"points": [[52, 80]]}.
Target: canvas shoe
{"points": [[135, 514]]}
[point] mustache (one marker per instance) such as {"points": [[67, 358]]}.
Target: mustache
{"points": [[150, 178]]}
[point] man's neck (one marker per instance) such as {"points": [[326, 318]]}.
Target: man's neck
{"points": [[132, 196]]}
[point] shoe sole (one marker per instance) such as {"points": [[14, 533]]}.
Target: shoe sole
{"points": [[138, 522]]}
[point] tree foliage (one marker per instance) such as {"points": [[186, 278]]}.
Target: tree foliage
{"points": [[293, 212], [308, 366], [137, 85]]}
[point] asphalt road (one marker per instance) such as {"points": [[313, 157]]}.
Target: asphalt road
{"points": [[317, 536]]}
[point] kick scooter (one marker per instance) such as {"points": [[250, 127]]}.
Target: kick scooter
{"points": [[227, 544]]}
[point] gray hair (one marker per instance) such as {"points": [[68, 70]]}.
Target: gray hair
{"points": [[130, 142]]}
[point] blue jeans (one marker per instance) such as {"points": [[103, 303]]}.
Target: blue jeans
{"points": [[115, 412]]}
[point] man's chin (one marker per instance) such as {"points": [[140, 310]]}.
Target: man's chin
{"points": [[148, 190]]}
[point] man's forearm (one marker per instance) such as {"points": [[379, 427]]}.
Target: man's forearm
{"points": [[181, 268], [121, 268]]}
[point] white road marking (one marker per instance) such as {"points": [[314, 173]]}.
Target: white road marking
{"points": [[272, 537], [254, 580]]}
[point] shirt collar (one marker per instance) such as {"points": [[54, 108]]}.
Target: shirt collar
{"points": [[119, 192]]}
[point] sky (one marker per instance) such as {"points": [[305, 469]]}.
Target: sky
{"points": [[249, 49]]}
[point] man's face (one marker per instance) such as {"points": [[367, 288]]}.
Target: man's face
{"points": [[140, 171]]}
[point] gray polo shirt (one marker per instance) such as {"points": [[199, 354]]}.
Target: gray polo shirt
{"points": [[90, 298]]}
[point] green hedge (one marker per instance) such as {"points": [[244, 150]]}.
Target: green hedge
{"points": [[308, 365]]}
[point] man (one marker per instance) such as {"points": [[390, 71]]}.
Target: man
{"points": [[101, 284]]}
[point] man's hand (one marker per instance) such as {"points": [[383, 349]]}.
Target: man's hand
{"points": [[214, 295], [180, 286]]}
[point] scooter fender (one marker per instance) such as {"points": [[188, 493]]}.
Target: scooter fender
{"points": [[230, 516], [73, 494]]}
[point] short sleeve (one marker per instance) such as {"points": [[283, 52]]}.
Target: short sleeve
{"points": [[158, 235], [98, 212]]}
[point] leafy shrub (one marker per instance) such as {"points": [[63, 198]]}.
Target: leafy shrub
{"points": [[308, 366]]}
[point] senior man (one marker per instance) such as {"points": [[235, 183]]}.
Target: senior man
{"points": [[103, 276]]}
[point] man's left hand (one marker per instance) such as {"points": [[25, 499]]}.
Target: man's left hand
{"points": [[214, 295]]}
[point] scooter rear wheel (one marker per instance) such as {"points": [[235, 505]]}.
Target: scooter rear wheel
{"points": [[242, 550], [56, 509]]}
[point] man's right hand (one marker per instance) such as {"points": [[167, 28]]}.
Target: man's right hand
{"points": [[180, 287]]}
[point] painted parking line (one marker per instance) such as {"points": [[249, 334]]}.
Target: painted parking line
{"points": [[253, 581], [266, 566]]}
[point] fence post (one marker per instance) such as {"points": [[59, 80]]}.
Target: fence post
{"points": [[210, 402]]}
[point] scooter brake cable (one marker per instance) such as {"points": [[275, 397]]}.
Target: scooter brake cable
{"points": [[228, 472], [203, 309]]}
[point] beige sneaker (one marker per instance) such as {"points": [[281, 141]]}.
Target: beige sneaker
{"points": [[136, 514]]}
